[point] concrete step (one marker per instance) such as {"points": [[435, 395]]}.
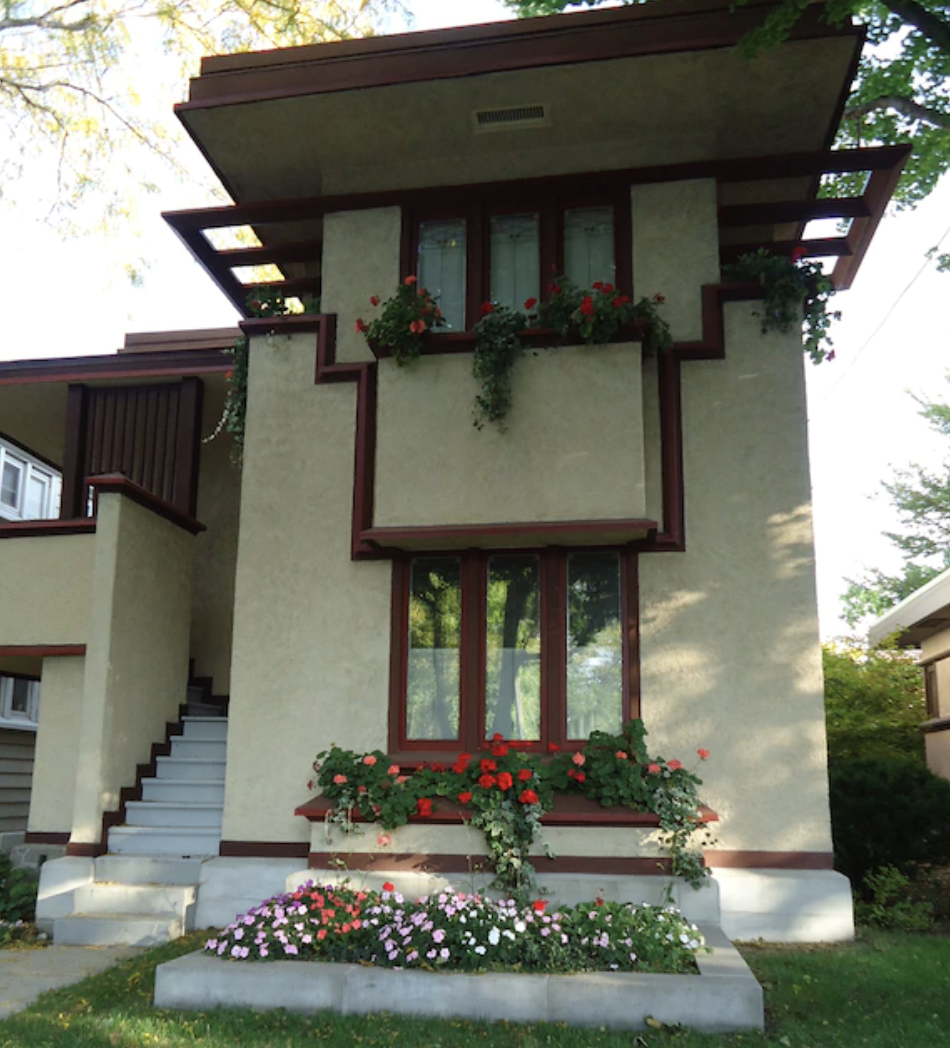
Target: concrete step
{"points": [[189, 768], [157, 900], [136, 869], [130, 929], [173, 813], [176, 841], [198, 749], [199, 791], [211, 728]]}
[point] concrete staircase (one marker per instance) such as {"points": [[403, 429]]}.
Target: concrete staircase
{"points": [[144, 890]]}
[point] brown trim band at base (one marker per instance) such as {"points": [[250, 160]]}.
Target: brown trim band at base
{"points": [[85, 849], [45, 838], [264, 849], [769, 860], [374, 862], [41, 651]]}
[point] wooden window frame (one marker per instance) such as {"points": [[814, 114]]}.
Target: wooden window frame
{"points": [[931, 695], [477, 212], [553, 615]]}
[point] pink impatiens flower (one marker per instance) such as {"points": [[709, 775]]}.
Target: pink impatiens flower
{"points": [[675, 765], [339, 779], [653, 769], [369, 760], [703, 755], [579, 759]]}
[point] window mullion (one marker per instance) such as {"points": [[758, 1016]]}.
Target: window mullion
{"points": [[472, 699], [630, 591], [554, 647]]}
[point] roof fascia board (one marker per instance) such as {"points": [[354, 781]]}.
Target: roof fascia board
{"points": [[162, 364], [920, 605]]}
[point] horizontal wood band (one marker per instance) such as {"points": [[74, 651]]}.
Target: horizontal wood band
{"points": [[769, 860], [938, 724], [40, 529], [160, 364], [372, 862], [45, 838], [85, 849], [41, 651], [117, 484], [265, 849]]}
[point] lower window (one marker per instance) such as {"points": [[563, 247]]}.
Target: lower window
{"points": [[540, 647]]}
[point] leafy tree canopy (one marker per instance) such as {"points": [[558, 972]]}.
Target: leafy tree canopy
{"points": [[922, 499], [901, 91], [82, 81]]}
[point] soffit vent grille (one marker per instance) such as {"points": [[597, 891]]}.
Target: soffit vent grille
{"points": [[511, 118]]}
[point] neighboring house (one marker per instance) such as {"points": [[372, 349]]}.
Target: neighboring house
{"points": [[631, 143], [922, 620]]}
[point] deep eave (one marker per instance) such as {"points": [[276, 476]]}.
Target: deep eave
{"points": [[112, 366]]}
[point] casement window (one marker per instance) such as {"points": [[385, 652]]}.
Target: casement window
{"points": [[29, 489], [19, 702], [930, 690], [506, 251], [539, 646]]}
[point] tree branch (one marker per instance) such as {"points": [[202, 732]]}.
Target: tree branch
{"points": [[934, 28], [907, 107]]}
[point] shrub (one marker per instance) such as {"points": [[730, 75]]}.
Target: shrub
{"points": [[17, 893], [887, 813], [892, 904]]}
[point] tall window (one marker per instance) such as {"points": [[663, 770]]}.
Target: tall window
{"points": [[539, 646], [514, 254], [589, 246], [442, 267]]}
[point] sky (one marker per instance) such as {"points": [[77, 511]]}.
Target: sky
{"points": [[893, 339]]}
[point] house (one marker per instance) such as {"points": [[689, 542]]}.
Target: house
{"points": [[631, 143], [922, 620]]}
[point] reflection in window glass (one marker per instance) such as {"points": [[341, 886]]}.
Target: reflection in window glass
{"points": [[435, 618], [515, 259], [442, 267], [513, 648], [20, 699], [589, 245], [594, 644], [37, 487], [10, 484]]}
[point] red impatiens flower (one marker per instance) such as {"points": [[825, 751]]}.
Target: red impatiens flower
{"points": [[388, 887], [417, 327], [466, 797], [675, 765], [411, 280], [539, 905], [654, 769], [424, 806], [505, 781], [525, 774], [528, 797], [486, 781], [488, 765], [530, 303], [703, 755], [587, 306], [580, 777]]}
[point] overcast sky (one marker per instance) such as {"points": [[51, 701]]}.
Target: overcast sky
{"points": [[72, 297]]}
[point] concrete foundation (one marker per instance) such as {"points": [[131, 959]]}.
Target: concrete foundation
{"points": [[723, 998]]}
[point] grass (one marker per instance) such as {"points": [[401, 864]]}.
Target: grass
{"points": [[885, 991]]}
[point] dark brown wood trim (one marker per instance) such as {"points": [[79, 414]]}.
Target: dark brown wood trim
{"points": [[769, 860], [265, 849], [404, 862], [570, 809], [73, 500], [188, 446], [117, 484], [162, 364], [42, 651], [38, 529], [20, 446], [85, 849], [938, 724], [533, 533], [31, 837]]}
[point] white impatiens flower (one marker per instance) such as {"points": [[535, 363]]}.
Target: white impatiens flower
{"points": [[480, 950], [494, 936]]}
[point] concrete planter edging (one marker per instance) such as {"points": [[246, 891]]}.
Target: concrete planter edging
{"points": [[724, 997]]}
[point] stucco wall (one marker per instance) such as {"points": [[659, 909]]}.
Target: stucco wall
{"points": [[219, 504], [311, 627], [572, 450], [137, 658], [360, 259], [54, 773], [47, 583], [730, 651]]}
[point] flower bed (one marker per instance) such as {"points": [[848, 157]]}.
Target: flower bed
{"points": [[453, 931]]}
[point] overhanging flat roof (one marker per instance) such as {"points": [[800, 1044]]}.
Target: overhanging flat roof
{"points": [[917, 617]]}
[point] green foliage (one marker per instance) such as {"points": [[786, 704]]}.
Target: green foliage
{"points": [[921, 497], [888, 903], [874, 703], [497, 345], [795, 294], [899, 94], [507, 791], [17, 894], [405, 319], [887, 812]]}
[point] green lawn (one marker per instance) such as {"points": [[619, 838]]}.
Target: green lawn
{"points": [[886, 991]]}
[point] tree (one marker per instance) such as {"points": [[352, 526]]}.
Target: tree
{"points": [[86, 86], [900, 93], [922, 500]]}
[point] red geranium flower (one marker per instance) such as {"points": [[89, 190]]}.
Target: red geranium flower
{"points": [[659, 298], [417, 327], [703, 755], [525, 774], [487, 307], [528, 797], [387, 887], [598, 285], [608, 289], [587, 306], [424, 806], [411, 280], [486, 781], [465, 798], [675, 765], [531, 303], [618, 302], [553, 747], [361, 327], [654, 769], [539, 905], [580, 777], [798, 254], [374, 301], [505, 781], [488, 765], [499, 751]]}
